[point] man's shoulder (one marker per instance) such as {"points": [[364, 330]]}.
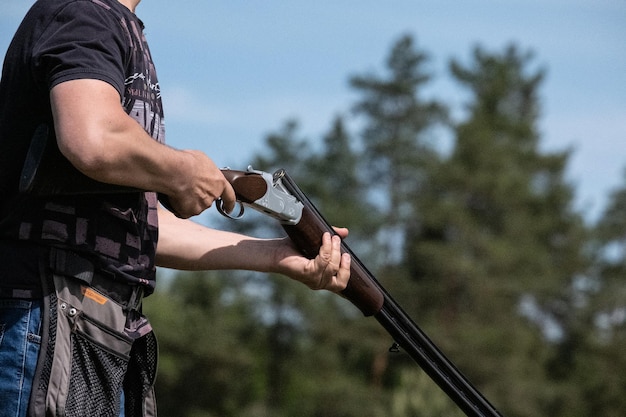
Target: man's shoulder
{"points": [[52, 6], [53, 9]]}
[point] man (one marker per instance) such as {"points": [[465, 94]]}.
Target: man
{"points": [[74, 266]]}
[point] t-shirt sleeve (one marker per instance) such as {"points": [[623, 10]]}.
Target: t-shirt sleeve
{"points": [[83, 41]]}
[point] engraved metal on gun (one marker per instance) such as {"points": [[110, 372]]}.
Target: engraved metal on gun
{"points": [[277, 201]]}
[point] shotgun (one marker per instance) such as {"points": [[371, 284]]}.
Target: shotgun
{"points": [[279, 196]]}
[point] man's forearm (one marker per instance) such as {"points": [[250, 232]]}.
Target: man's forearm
{"points": [[186, 245]]}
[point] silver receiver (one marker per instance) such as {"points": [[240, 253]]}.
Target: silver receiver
{"points": [[277, 202]]}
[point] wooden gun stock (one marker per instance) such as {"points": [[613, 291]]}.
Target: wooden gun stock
{"points": [[366, 293]]}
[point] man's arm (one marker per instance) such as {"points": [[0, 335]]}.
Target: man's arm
{"points": [[186, 245], [97, 136]]}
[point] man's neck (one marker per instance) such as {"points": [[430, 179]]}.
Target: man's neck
{"points": [[131, 4]]}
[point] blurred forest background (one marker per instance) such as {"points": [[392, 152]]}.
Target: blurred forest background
{"points": [[470, 227]]}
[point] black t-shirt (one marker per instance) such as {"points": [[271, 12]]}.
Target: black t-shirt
{"points": [[58, 41]]}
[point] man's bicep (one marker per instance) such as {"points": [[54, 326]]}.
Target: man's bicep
{"points": [[83, 110]]}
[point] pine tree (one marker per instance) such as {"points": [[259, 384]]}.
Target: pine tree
{"points": [[397, 120], [496, 227], [603, 299]]}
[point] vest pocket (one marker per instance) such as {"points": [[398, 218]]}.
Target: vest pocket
{"points": [[99, 360], [91, 352]]}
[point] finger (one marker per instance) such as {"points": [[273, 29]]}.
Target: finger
{"points": [[331, 264], [229, 198], [335, 254], [341, 231], [343, 275], [339, 281], [321, 263], [326, 249]]}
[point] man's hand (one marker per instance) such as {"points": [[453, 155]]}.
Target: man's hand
{"points": [[329, 270], [200, 183]]}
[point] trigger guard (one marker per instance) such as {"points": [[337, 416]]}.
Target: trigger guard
{"points": [[219, 204]]}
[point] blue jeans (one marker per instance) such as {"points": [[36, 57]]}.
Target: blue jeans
{"points": [[20, 340]]}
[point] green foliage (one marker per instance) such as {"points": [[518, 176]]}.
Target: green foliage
{"points": [[480, 245], [397, 152], [201, 322], [418, 396], [497, 230]]}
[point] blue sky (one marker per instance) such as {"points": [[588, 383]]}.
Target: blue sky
{"points": [[232, 71]]}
